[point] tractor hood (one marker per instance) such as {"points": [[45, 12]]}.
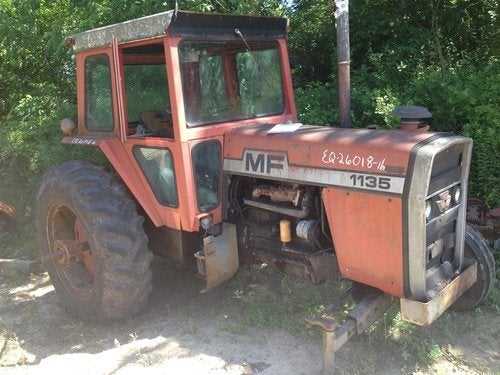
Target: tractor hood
{"points": [[323, 156]]}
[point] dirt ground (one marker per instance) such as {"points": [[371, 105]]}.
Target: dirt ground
{"points": [[252, 325]]}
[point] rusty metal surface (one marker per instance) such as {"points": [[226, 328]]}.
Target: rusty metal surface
{"points": [[425, 313], [315, 147], [177, 245], [335, 336], [293, 212], [316, 267], [413, 118], [324, 267], [180, 23], [67, 252], [7, 217], [344, 61], [141, 28], [278, 193], [7, 210], [218, 262], [369, 310]]}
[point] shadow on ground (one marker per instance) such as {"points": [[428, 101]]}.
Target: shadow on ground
{"points": [[252, 325]]}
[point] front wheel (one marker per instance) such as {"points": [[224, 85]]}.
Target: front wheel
{"points": [[92, 242], [477, 249]]}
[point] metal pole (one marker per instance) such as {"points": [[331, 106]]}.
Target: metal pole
{"points": [[328, 353], [344, 61]]}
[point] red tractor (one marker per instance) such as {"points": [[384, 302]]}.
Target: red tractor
{"points": [[196, 114]]}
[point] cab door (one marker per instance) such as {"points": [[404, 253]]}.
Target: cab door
{"points": [[145, 153]]}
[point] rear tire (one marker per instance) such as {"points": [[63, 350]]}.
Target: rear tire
{"points": [[477, 249], [78, 194]]}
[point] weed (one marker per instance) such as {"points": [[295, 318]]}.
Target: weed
{"points": [[267, 299], [494, 297]]}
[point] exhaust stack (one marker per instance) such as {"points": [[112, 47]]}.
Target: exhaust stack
{"points": [[344, 61]]}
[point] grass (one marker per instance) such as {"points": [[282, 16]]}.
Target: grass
{"points": [[262, 298], [494, 297], [20, 244]]}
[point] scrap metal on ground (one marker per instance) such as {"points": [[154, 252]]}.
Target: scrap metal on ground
{"points": [[7, 218], [485, 220]]}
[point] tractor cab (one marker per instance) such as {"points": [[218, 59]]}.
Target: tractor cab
{"points": [[157, 95]]}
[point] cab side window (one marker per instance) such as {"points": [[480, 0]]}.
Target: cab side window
{"points": [[146, 89], [158, 167], [98, 95], [207, 171]]}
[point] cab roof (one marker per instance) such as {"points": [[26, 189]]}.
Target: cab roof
{"points": [[182, 24]]}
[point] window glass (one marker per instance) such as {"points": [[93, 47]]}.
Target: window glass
{"points": [[232, 80], [212, 85], [258, 95], [158, 167], [207, 171], [147, 90], [99, 102]]}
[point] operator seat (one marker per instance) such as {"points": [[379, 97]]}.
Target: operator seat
{"points": [[160, 123]]}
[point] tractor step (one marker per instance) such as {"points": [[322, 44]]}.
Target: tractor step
{"points": [[218, 261]]}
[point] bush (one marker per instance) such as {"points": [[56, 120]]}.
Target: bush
{"points": [[317, 105], [465, 100], [30, 143]]}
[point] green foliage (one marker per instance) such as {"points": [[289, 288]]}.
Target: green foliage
{"points": [[30, 136], [466, 101], [370, 105], [268, 299], [30, 144], [463, 100], [312, 40], [314, 103], [440, 54], [393, 38]]}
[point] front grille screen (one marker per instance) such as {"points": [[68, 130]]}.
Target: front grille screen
{"points": [[442, 226]]}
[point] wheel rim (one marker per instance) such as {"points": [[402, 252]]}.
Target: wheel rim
{"points": [[87, 256], [70, 251]]}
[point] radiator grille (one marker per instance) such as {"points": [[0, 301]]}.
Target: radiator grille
{"points": [[441, 229]]}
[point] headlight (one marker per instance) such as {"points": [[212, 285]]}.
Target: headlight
{"points": [[428, 210], [207, 222], [457, 195]]}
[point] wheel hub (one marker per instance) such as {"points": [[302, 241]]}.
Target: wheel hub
{"points": [[71, 250], [67, 251]]}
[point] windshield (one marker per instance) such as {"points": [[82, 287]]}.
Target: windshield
{"points": [[224, 81]]}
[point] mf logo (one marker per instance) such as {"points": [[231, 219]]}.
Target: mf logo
{"points": [[261, 162]]}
